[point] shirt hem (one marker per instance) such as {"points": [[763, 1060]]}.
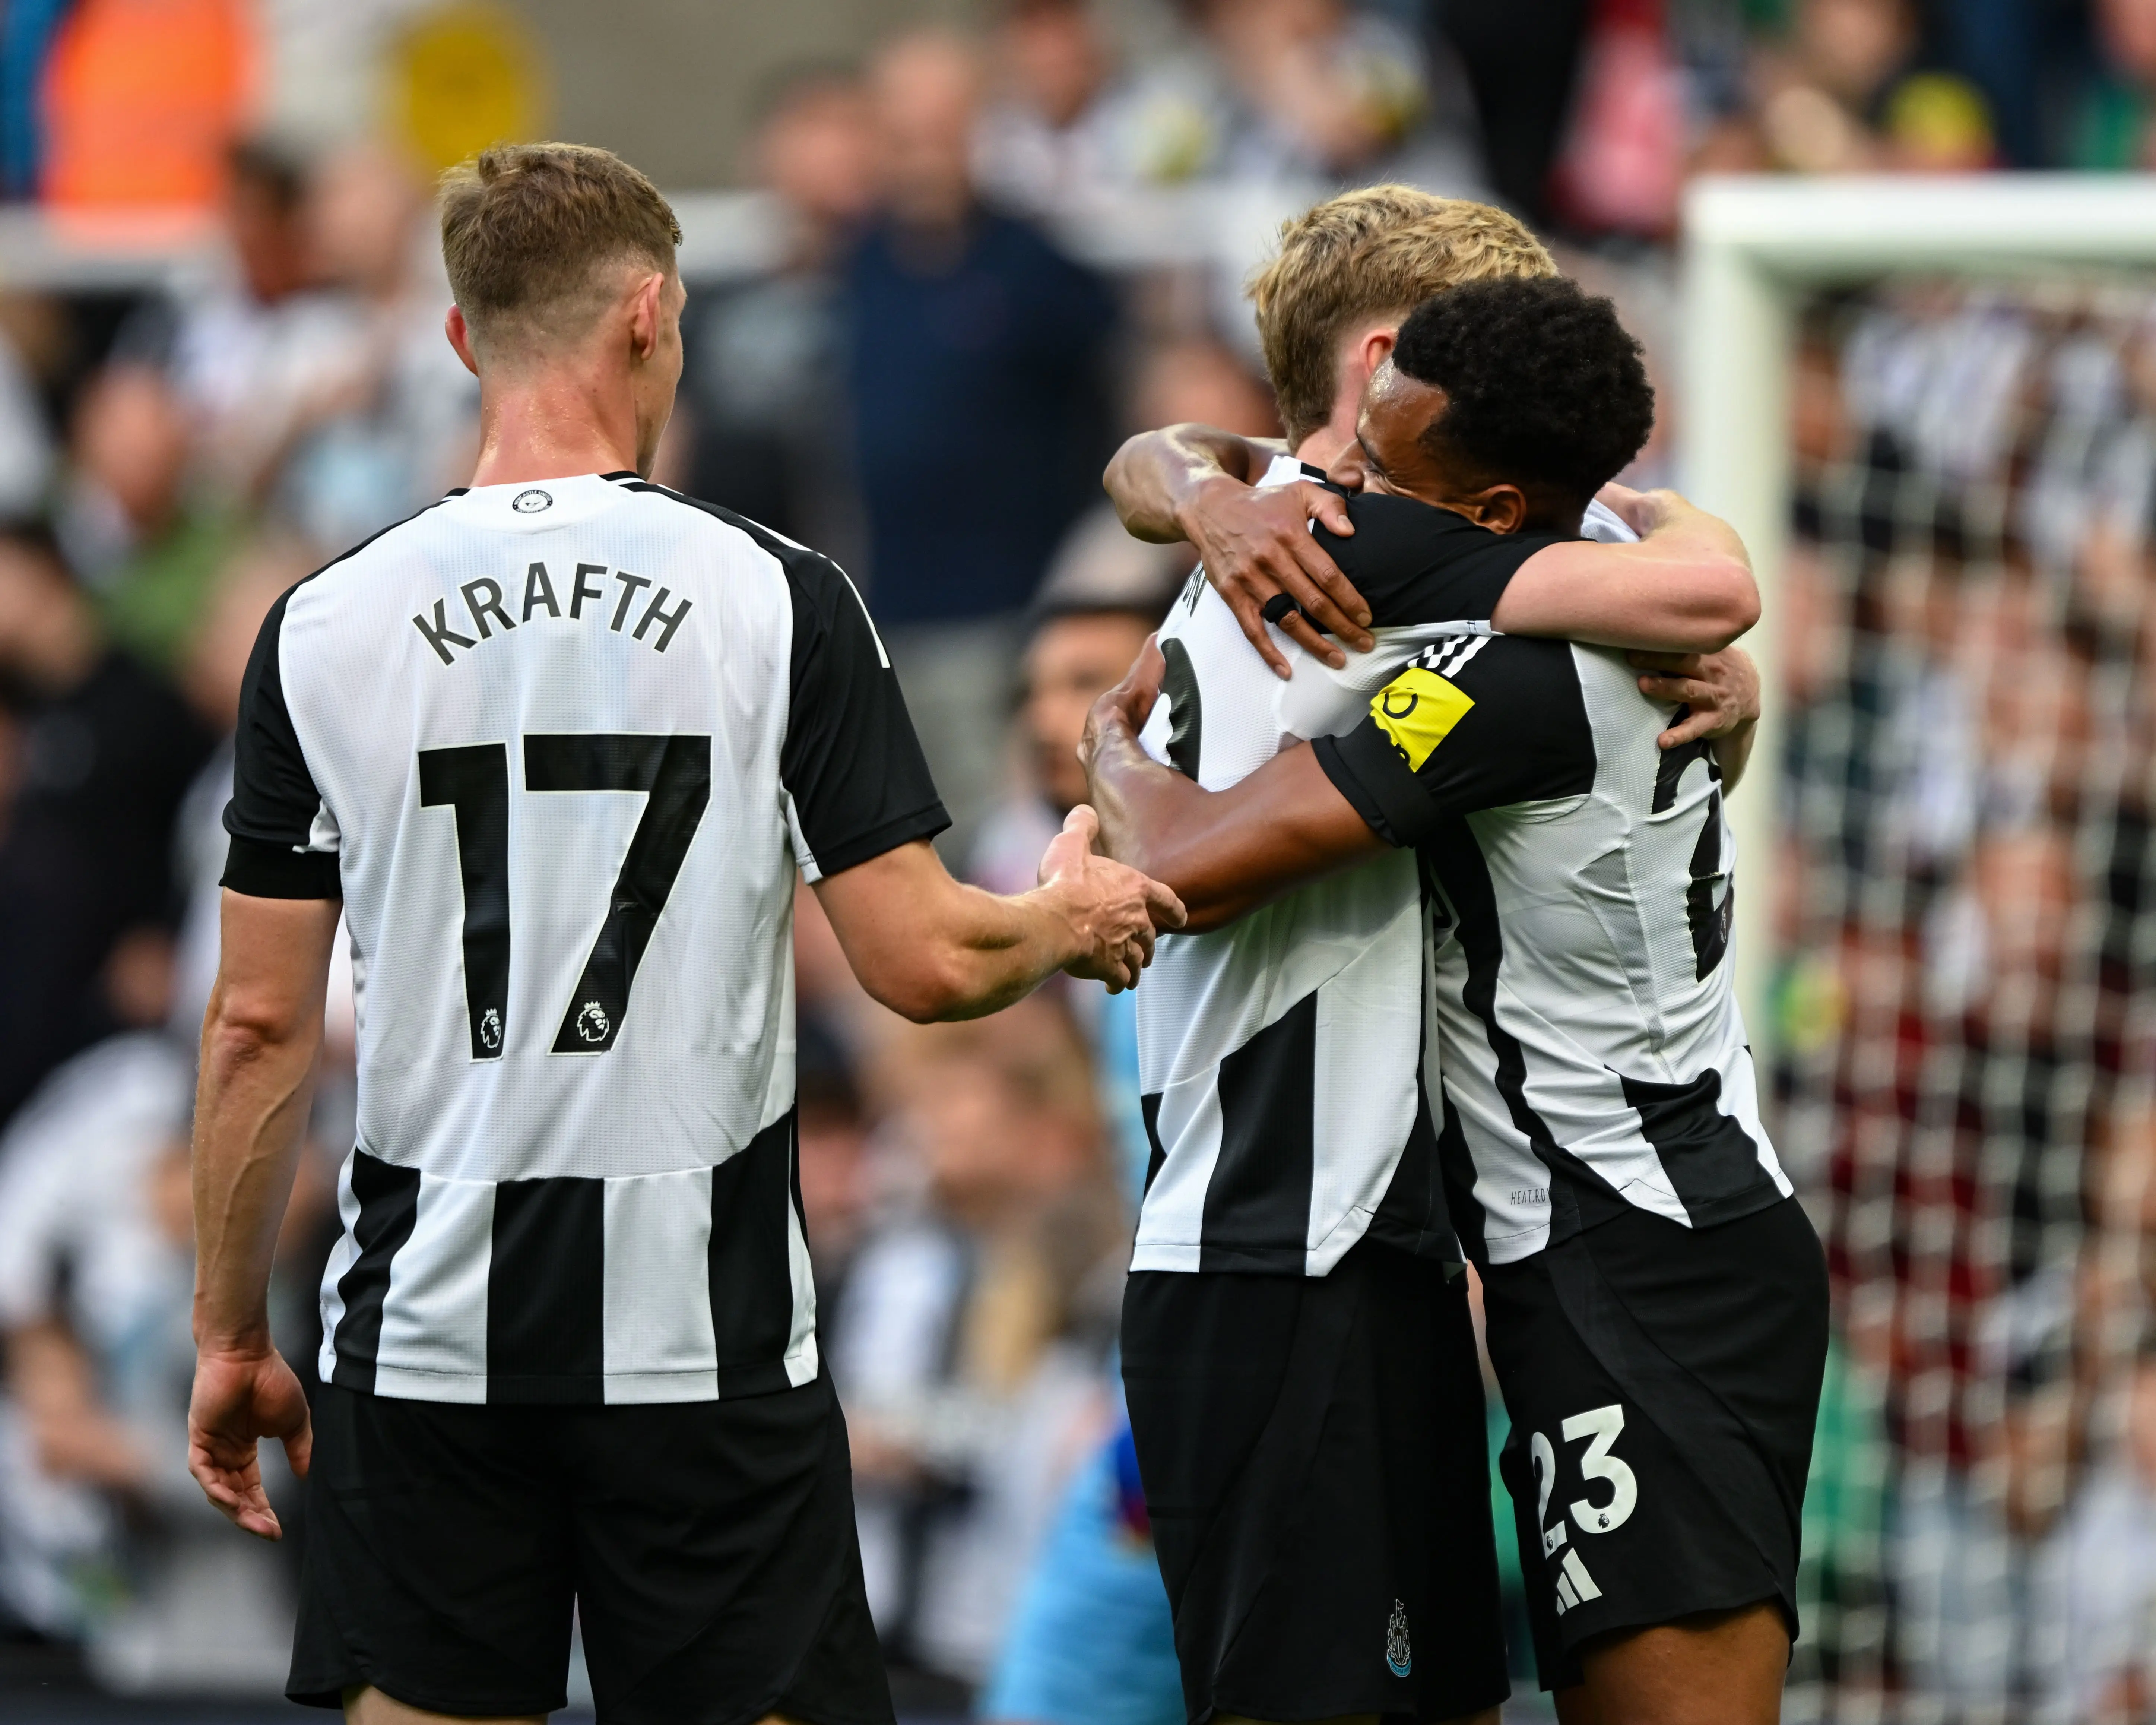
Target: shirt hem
{"points": [[592, 1390], [1282, 1259]]}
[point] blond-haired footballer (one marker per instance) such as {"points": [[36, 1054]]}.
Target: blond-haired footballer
{"points": [[1311, 1146]]}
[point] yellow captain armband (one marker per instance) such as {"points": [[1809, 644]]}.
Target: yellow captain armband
{"points": [[1418, 710]]}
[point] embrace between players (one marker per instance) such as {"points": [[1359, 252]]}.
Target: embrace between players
{"points": [[1450, 980]]}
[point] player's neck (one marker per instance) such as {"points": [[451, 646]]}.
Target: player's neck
{"points": [[554, 426], [1327, 444]]}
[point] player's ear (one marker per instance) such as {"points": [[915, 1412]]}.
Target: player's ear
{"points": [[1503, 509], [647, 310], [460, 334], [1375, 348]]}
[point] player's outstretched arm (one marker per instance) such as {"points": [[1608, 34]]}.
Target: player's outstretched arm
{"points": [[1196, 483], [930, 947], [1685, 587], [1223, 853], [259, 1040]]}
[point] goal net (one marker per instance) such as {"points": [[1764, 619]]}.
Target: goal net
{"points": [[1932, 407]]}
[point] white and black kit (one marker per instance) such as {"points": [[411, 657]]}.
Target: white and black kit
{"points": [[561, 749], [1598, 1129], [1297, 1349]]}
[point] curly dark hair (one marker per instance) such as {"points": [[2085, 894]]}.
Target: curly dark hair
{"points": [[1545, 389]]}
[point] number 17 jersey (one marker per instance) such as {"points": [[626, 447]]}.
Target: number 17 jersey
{"points": [[561, 748]]}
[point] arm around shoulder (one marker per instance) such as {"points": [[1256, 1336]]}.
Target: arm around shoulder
{"points": [[1685, 587], [1223, 853], [1152, 478]]}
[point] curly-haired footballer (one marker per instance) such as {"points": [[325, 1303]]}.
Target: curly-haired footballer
{"points": [[1494, 832]]}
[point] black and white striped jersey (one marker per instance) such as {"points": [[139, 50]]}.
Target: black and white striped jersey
{"points": [[560, 747], [1579, 895], [1279, 1058]]}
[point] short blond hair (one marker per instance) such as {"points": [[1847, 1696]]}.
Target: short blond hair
{"points": [[1379, 250], [527, 228]]}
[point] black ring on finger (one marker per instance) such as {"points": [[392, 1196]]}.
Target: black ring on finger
{"points": [[1277, 609]]}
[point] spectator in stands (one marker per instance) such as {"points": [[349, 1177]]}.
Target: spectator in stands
{"points": [[1984, 1304], [977, 348], [1044, 144], [2098, 1581], [399, 426], [89, 1273], [1103, 593], [763, 364], [26, 443], [107, 751], [210, 679], [831, 1162], [96, 1267], [1299, 93], [975, 1317], [1849, 92], [2111, 131], [249, 356], [148, 543], [1521, 58]]}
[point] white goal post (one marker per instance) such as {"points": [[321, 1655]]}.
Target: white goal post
{"points": [[1753, 246]]}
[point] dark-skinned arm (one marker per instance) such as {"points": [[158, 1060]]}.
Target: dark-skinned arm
{"points": [[1690, 590], [1227, 853], [1196, 483]]}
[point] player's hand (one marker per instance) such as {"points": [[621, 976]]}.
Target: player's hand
{"points": [[1129, 704], [239, 1399], [1112, 910], [1644, 512], [1257, 547], [1721, 690]]}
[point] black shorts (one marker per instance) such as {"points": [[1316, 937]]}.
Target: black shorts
{"points": [[1663, 1382], [708, 1548], [1317, 1468]]}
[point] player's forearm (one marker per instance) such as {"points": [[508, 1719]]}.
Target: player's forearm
{"points": [[991, 952], [1223, 854], [1155, 478], [1687, 587], [250, 1118], [931, 948]]}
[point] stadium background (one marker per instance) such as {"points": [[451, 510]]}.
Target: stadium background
{"points": [[220, 362]]}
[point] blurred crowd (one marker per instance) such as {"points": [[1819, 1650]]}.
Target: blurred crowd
{"points": [[1965, 906], [925, 382]]}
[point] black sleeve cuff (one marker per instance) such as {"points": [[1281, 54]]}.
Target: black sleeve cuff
{"points": [[261, 869], [1379, 786], [925, 823]]}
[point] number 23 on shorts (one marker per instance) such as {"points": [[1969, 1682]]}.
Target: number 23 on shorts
{"points": [[1599, 1427]]}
